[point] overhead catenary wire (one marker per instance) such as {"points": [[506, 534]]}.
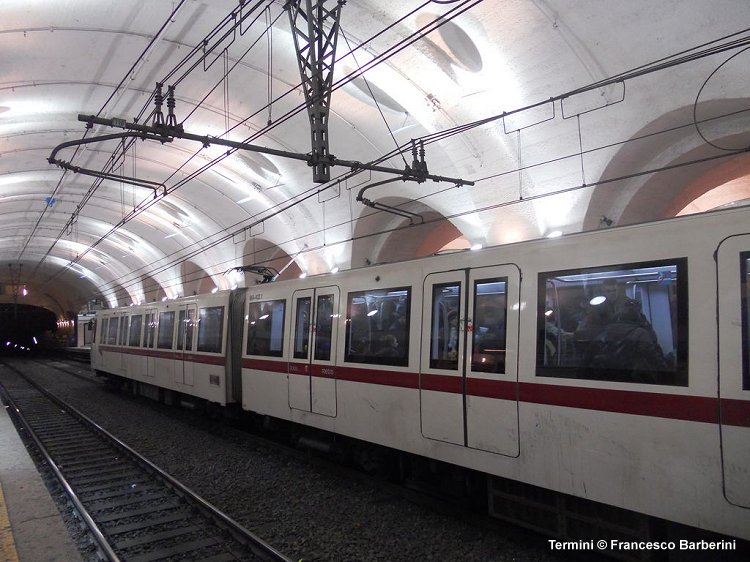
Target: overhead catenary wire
{"points": [[507, 203], [465, 127], [59, 184], [466, 4], [548, 194]]}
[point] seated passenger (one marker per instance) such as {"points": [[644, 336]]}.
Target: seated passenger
{"points": [[359, 331], [627, 344], [388, 347]]}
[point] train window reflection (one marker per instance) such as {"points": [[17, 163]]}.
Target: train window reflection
{"points": [[446, 299], [103, 327], [112, 331], [165, 336], [377, 326], [123, 335], [323, 327], [136, 325], [181, 329], [623, 323], [186, 326], [265, 328], [302, 328], [488, 343], [745, 284], [149, 337], [210, 329]]}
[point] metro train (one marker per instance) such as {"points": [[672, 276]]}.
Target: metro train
{"points": [[610, 366]]}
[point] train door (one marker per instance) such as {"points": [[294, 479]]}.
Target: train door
{"points": [[733, 262], [468, 373], [312, 384], [186, 317]]}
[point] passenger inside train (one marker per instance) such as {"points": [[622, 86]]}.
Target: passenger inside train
{"points": [[377, 326], [624, 324]]}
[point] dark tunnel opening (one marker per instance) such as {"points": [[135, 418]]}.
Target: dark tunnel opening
{"points": [[26, 328]]}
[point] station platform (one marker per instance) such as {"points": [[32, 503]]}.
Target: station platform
{"points": [[31, 527]]}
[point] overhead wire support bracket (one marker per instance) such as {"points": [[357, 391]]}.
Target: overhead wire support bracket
{"points": [[316, 50], [108, 175], [387, 208], [166, 134], [267, 273]]}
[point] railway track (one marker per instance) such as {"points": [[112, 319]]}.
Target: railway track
{"points": [[134, 511]]}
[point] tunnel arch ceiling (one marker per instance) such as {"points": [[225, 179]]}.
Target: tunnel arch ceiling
{"points": [[667, 146], [538, 157]]}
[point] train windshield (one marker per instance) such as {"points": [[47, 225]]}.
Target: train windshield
{"points": [[624, 323]]}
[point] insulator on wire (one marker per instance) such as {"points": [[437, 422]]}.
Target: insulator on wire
{"points": [[422, 161], [158, 101], [171, 119]]}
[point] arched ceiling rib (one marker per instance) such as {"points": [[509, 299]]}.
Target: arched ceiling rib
{"points": [[548, 167]]}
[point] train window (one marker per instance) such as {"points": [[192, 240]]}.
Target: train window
{"points": [[136, 326], [446, 299], [488, 347], [123, 334], [165, 337], [323, 327], [149, 337], [186, 323], [211, 329], [302, 328], [103, 327], [265, 328], [745, 284], [622, 323], [189, 329], [112, 332], [377, 326]]}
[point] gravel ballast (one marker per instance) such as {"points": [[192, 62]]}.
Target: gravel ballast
{"points": [[304, 509]]}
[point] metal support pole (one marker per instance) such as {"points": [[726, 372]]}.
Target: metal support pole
{"points": [[316, 51]]}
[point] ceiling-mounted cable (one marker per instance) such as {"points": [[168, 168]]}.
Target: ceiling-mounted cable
{"points": [[125, 77], [546, 101], [697, 98], [269, 62], [372, 94]]}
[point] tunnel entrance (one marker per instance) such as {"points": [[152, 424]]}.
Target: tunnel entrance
{"points": [[26, 326]]}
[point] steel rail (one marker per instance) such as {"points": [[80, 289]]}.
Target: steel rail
{"points": [[102, 544], [237, 531]]}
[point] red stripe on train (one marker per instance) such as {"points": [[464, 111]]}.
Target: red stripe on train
{"points": [[653, 404], [674, 406], [735, 412], [172, 355]]}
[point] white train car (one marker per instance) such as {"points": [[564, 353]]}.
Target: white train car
{"points": [[611, 366], [184, 346]]}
